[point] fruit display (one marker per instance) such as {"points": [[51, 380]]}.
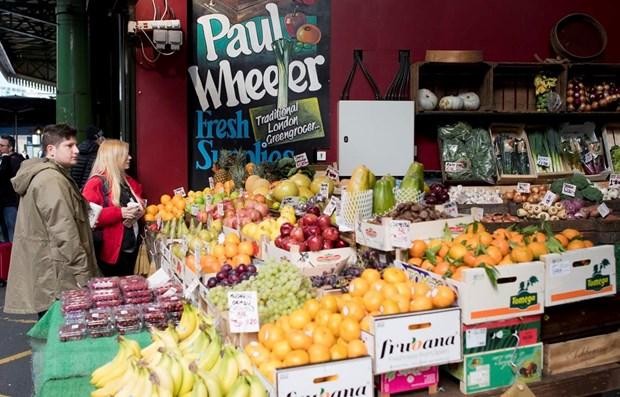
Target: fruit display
{"points": [[553, 212], [269, 227], [479, 248], [232, 252], [335, 280], [280, 287], [438, 194], [313, 232], [228, 276], [601, 96], [383, 199], [189, 359], [547, 100], [374, 258], [414, 212], [71, 332], [499, 217]]}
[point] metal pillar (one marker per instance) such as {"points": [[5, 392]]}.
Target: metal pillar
{"points": [[73, 101]]}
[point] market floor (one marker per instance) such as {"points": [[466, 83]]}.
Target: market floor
{"points": [[15, 354]]}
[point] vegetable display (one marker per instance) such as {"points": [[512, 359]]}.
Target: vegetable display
{"points": [[554, 212], [546, 97], [533, 197], [582, 98], [467, 153], [414, 177], [584, 188], [546, 149], [512, 154]]}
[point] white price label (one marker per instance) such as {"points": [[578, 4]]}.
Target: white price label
{"points": [[548, 199], [75, 326], [220, 209], [588, 157], [399, 233], [544, 161], [179, 191], [332, 205], [475, 338], [614, 179], [301, 160], [603, 210], [332, 173], [290, 200], [194, 209], [451, 209], [208, 200], [569, 189], [242, 311], [191, 288], [477, 213], [480, 377], [324, 190], [211, 182], [453, 166], [157, 279], [523, 187], [560, 268]]}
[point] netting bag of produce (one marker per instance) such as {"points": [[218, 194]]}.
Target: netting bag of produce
{"points": [[355, 206], [466, 153]]}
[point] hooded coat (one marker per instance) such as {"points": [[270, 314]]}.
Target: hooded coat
{"points": [[53, 248]]}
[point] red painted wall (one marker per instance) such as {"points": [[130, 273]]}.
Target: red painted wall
{"points": [[506, 30]]}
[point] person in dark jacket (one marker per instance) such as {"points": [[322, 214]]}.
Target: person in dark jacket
{"points": [[9, 164], [88, 153]]}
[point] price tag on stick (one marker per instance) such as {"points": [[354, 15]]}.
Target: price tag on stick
{"points": [[544, 161], [523, 187], [603, 210], [548, 199], [180, 191], [332, 205], [477, 213], [614, 179], [569, 189], [324, 191], [301, 160], [242, 311]]}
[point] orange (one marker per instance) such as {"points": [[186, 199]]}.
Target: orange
{"points": [[420, 289], [257, 352], [165, 199], [247, 248], [501, 234], [475, 227], [241, 259], [457, 274], [485, 238], [442, 296], [349, 329], [443, 251], [457, 252], [562, 239], [486, 260], [190, 262], [371, 275], [269, 334], [378, 285], [575, 245], [522, 254], [310, 328], [588, 243], [281, 349], [338, 352], [150, 218], [421, 303], [282, 322], [209, 264], [230, 249], [323, 336], [403, 303], [268, 369], [538, 249], [298, 339], [296, 357], [356, 348], [427, 265], [335, 319], [417, 249], [232, 238], [415, 261], [298, 319], [538, 237], [389, 306], [404, 289], [311, 307], [571, 234], [318, 353], [358, 286], [469, 259], [219, 250], [372, 300], [152, 209], [329, 302], [179, 204], [441, 268], [507, 260], [353, 309], [494, 253], [322, 317], [502, 244], [367, 323], [389, 291], [393, 275]]}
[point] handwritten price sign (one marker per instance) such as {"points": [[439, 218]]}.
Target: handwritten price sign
{"points": [[243, 311]]}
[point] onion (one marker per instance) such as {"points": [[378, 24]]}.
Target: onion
{"points": [[509, 195], [535, 190]]}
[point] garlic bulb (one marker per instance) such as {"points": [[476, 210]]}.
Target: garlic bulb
{"points": [[426, 99], [471, 100]]}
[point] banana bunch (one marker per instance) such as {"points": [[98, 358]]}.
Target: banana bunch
{"points": [[128, 353]]}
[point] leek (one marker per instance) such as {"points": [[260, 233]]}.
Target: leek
{"points": [[283, 48]]}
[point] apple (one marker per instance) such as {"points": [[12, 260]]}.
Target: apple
{"points": [[315, 243], [279, 241], [328, 244], [297, 234], [314, 210], [293, 21], [310, 231], [285, 229], [340, 243], [331, 233], [308, 220], [324, 221]]}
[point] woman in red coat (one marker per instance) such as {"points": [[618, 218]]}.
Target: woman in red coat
{"points": [[120, 196]]}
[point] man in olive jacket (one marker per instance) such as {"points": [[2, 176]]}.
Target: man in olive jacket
{"points": [[53, 248]]}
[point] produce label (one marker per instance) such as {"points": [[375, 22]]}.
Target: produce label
{"points": [[451, 209], [477, 213], [523, 187], [476, 337], [560, 268], [194, 209], [453, 166], [211, 182], [544, 161], [332, 173], [588, 157], [614, 179], [603, 210], [290, 200], [324, 190], [220, 209], [332, 205], [409, 379], [179, 191], [399, 233], [548, 199], [569, 189], [243, 311], [157, 279], [258, 80], [301, 160]]}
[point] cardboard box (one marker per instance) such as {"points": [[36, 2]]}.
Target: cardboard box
{"points": [[350, 377], [582, 353], [497, 335], [494, 369], [578, 275], [519, 291], [411, 340], [409, 379], [379, 236], [314, 263]]}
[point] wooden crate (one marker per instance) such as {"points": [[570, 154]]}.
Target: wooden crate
{"points": [[581, 353], [513, 85], [452, 79], [518, 131]]}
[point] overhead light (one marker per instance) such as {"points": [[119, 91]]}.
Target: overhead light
{"points": [[38, 131]]}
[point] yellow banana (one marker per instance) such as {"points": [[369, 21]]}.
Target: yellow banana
{"points": [[257, 389], [188, 376], [161, 373], [151, 350], [240, 388], [188, 322], [132, 345], [206, 320], [112, 387], [115, 372], [196, 342], [228, 372], [200, 389], [101, 372], [168, 337], [162, 392], [208, 358], [243, 362], [212, 384], [176, 372]]}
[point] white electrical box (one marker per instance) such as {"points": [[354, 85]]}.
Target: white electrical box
{"points": [[378, 134]]}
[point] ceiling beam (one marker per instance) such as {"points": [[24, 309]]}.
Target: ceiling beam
{"points": [[34, 36], [18, 14]]}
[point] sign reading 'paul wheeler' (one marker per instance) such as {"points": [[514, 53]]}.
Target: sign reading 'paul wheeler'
{"points": [[258, 80]]}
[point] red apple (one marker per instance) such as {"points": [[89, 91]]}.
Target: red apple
{"points": [[279, 241], [310, 231], [340, 243], [315, 243], [297, 234], [293, 21], [331, 233], [328, 244], [262, 208], [308, 220], [314, 210], [324, 221]]}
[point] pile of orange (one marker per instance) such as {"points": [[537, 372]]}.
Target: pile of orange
{"points": [[478, 247], [168, 208], [233, 251], [329, 327]]}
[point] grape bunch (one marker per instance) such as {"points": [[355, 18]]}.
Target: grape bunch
{"points": [[438, 194], [375, 259], [333, 280], [280, 287], [230, 276]]}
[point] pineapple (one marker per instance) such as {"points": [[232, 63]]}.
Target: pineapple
{"points": [[220, 169], [237, 169]]}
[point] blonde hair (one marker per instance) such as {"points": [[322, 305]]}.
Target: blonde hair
{"points": [[109, 164]]}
